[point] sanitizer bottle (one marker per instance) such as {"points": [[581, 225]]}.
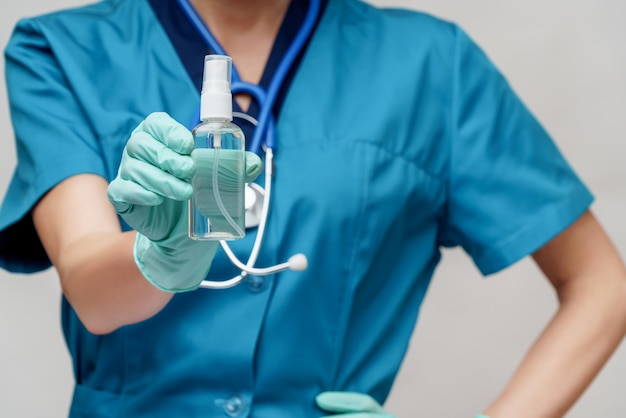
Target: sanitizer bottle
{"points": [[217, 208]]}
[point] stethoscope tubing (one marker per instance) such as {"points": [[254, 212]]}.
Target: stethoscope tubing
{"points": [[265, 127], [265, 99], [256, 247]]}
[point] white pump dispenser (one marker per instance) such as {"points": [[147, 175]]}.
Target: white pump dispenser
{"points": [[216, 99]]}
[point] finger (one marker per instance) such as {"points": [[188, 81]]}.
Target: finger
{"points": [[144, 147], [155, 180], [229, 168], [361, 415], [347, 402], [168, 131], [254, 166], [124, 194]]}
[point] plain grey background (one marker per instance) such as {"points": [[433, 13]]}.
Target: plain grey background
{"points": [[567, 61]]}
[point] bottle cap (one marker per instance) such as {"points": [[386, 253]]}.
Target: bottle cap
{"points": [[216, 99]]}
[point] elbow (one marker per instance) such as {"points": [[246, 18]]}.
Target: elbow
{"points": [[101, 282], [88, 310], [615, 286], [603, 294], [104, 312], [620, 292], [614, 308], [97, 327], [93, 319], [610, 300]]}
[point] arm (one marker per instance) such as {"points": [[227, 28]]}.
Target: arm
{"points": [[80, 231], [113, 278], [590, 282]]}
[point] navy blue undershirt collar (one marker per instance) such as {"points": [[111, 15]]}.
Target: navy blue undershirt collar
{"points": [[192, 49]]}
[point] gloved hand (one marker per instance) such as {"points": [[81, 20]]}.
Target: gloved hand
{"points": [[350, 405], [150, 193]]}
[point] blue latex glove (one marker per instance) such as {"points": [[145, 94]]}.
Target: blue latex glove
{"points": [[350, 405], [150, 193]]}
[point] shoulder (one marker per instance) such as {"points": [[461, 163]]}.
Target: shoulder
{"points": [[390, 34], [85, 27], [393, 21], [68, 17], [88, 45], [97, 12]]}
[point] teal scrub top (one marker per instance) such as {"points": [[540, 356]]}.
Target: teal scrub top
{"points": [[397, 137]]}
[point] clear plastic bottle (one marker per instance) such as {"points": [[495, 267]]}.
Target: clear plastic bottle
{"points": [[217, 208]]}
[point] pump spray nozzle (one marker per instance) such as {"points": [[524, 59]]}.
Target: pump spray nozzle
{"points": [[216, 100]]}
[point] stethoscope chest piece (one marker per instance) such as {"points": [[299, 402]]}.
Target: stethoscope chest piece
{"points": [[254, 199]]}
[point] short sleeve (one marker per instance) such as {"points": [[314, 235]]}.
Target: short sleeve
{"points": [[53, 142], [510, 188]]}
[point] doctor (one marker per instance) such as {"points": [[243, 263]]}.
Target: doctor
{"points": [[394, 136]]}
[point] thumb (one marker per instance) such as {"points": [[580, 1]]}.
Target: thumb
{"points": [[254, 166], [347, 402]]}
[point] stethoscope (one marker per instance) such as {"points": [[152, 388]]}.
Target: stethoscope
{"points": [[257, 199]]}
